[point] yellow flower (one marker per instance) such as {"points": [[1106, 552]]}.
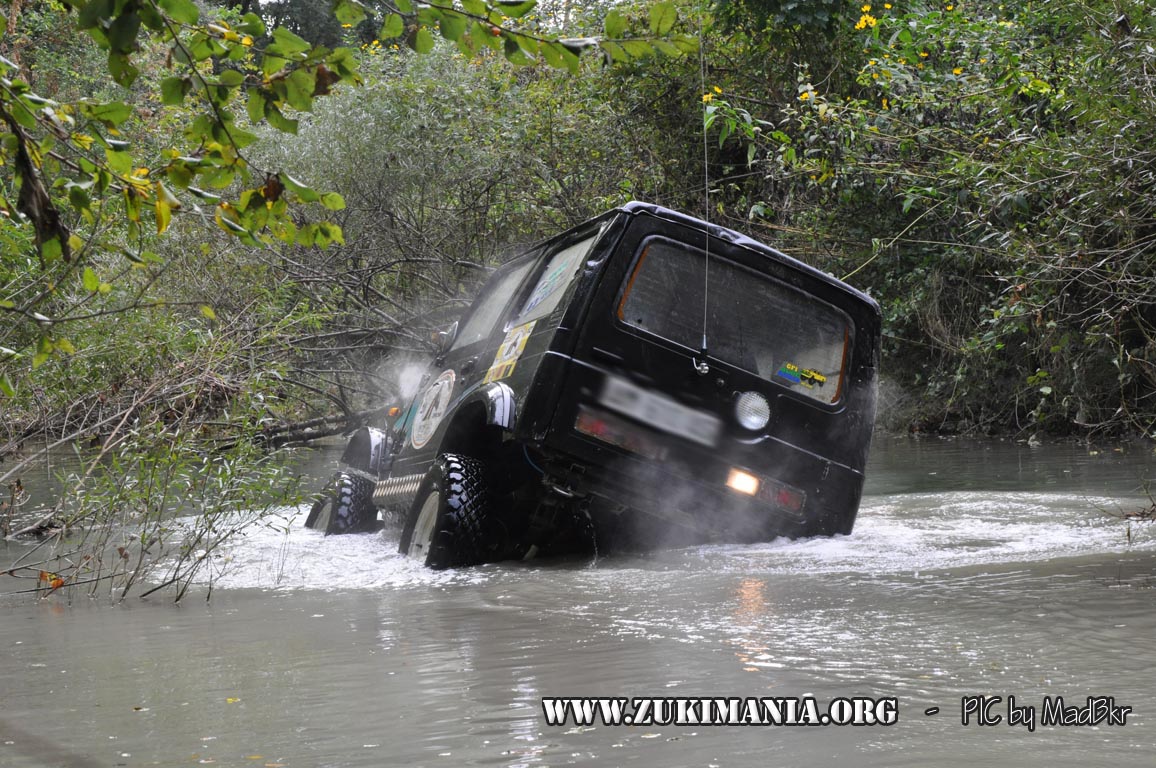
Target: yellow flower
{"points": [[957, 71], [885, 104], [346, 26], [923, 54], [951, 7], [707, 98], [887, 6], [804, 95], [717, 89], [983, 61], [246, 40], [865, 8]]}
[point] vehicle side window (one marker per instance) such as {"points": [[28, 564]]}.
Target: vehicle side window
{"points": [[488, 308], [561, 268]]}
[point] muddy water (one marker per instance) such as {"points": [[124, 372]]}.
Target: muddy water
{"points": [[974, 569]]}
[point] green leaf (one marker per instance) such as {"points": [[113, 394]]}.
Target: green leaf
{"points": [[51, 250], [174, 90], [252, 24], [515, 9], [181, 11], [6, 385], [272, 64], [553, 54], [92, 14], [405, 6], [43, 351], [453, 25], [278, 120], [122, 33], [662, 18], [122, 70], [111, 113], [231, 78], [514, 53], [474, 7], [299, 90], [78, 194], [349, 11], [287, 42], [423, 41], [615, 24], [638, 48], [303, 191], [255, 107], [685, 43], [91, 281], [393, 27], [333, 201], [614, 50], [328, 232]]}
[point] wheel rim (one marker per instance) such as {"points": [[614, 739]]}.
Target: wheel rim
{"points": [[324, 514], [423, 527]]}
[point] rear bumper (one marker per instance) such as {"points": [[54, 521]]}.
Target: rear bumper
{"points": [[637, 501]]}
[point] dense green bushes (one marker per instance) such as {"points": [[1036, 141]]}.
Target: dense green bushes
{"points": [[983, 169]]}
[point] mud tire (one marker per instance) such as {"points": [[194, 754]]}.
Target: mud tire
{"points": [[345, 506], [448, 524]]}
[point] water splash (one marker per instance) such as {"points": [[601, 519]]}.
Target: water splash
{"points": [[896, 534]]}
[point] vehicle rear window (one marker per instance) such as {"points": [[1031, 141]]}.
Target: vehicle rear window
{"points": [[753, 321]]}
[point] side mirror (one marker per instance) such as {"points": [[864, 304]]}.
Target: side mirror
{"points": [[443, 340]]}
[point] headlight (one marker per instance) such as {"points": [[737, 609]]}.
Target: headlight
{"points": [[752, 410]]}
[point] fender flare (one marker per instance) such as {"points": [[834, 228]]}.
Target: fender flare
{"points": [[501, 406], [368, 450]]}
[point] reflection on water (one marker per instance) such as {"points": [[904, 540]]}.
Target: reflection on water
{"points": [[975, 568]]}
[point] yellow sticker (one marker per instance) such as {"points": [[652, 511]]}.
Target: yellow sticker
{"points": [[508, 354]]}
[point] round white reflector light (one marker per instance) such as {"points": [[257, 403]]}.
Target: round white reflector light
{"points": [[752, 410]]}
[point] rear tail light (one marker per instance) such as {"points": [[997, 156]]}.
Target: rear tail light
{"points": [[615, 431], [788, 498]]}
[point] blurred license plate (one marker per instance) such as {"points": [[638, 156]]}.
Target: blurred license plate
{"points": [[660, 411]]}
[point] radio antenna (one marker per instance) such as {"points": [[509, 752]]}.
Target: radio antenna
{"points": [[700, 363]]}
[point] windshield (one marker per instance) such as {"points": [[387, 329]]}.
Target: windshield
{"points": [[754, 321]]}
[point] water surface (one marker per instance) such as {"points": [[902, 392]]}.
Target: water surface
{"points": [[975, 568]]}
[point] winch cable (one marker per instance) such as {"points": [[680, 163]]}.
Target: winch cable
{"points": [[701, 364]]}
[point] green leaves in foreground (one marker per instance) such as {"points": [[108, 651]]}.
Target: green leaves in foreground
{"points": [[215, 73], [478, 26]]}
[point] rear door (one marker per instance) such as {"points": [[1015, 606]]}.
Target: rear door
{"points": [[768, 328]]}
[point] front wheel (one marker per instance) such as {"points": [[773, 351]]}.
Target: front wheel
{"points": [[345, 506], [447, 523]]}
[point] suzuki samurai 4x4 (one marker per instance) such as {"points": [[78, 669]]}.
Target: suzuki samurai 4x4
{"points": [[645, 379]]}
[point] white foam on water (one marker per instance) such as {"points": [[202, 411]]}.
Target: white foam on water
{"points": [[900, 533], [914, 532], [285, 555]]}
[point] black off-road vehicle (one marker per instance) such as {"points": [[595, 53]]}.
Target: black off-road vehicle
{"points": [[645, 379]]}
